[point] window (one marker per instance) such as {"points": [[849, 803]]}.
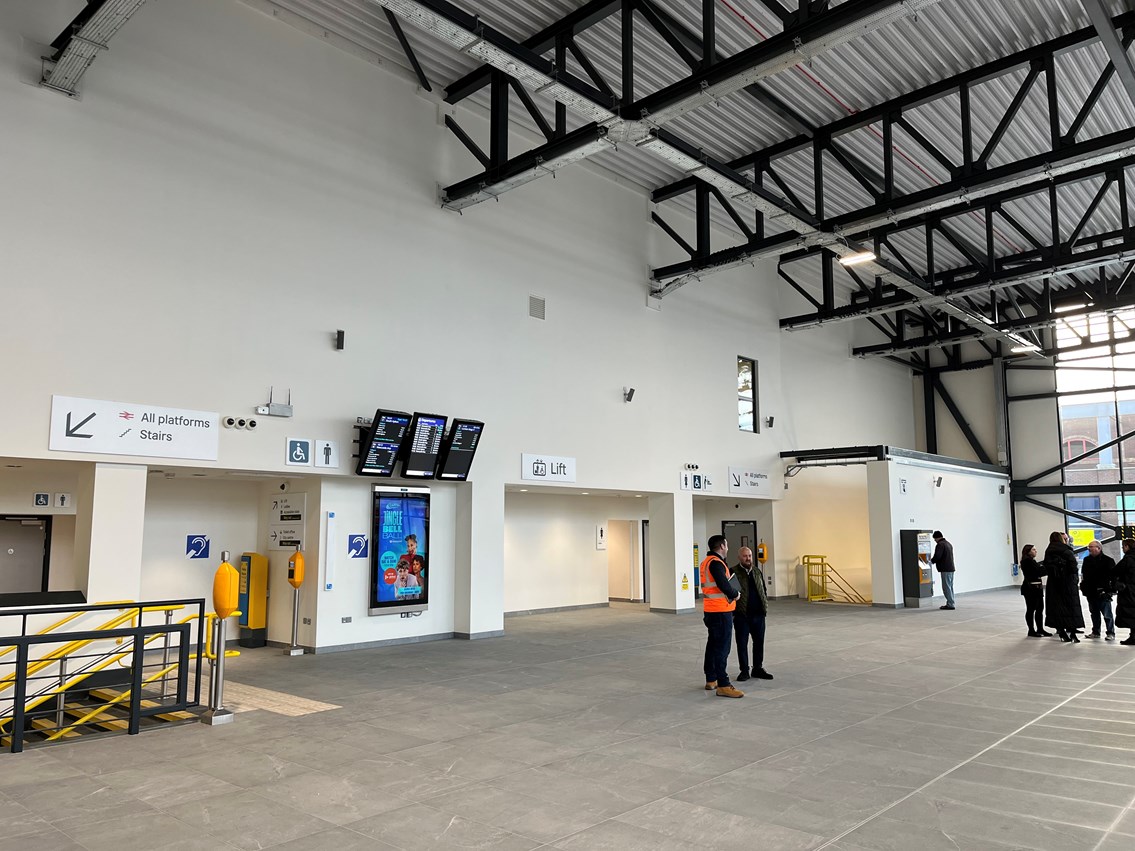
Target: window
{"points": [[1074, 447], [747, 395], [1089, 506]]}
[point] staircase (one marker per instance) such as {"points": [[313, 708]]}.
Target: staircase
{"points": [[89, 674], [827, 586]]}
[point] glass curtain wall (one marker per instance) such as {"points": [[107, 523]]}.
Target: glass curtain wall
{"points": [[1096, 382]]}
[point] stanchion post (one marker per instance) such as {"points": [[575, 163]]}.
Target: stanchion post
{"points": [[226, 584], [295, 579]]}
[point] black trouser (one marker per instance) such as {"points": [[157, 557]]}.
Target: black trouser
{"points": [[720, 635], [1100, 605], [745, 626], [1034, 607]]}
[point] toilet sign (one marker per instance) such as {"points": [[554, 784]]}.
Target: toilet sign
{"points": [[299, 452], [601, 536]]}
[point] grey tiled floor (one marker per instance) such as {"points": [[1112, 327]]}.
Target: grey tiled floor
{"points": [[590, 729]]}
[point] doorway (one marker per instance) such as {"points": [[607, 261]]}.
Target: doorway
{"points": [[739, 533], [25, 552], [624, 562]]}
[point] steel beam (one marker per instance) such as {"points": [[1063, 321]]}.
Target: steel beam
{"points": [[1101, 20], [89, 35]]}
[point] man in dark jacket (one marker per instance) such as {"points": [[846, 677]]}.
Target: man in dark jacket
{"points": [[1125, 591], [749, 619], [1097, 581], [943, 559]]}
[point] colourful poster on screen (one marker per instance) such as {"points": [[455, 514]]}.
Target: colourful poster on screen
{"points": [[400, 557]]}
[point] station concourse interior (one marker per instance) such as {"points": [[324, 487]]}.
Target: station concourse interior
{"points": [[257, 216]]}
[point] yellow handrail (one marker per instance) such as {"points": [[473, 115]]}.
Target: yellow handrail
{"points": [[78, 678], [102, 707], [69, 648], [65, 620]]}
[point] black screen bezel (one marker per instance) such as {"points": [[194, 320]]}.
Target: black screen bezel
{"points": [[408, 441], [368, 439], [447, 444]]}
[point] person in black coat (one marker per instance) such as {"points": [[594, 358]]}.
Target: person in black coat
{"points": [[1033, 592], [1125, 591], [1097, 584], [1062, 597]]}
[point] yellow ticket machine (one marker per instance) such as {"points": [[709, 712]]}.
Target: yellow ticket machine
{"points": [[253, 600]]}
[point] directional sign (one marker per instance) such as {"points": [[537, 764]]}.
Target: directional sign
{"points": [[126, 428], [196, 546], [286, 518], [358, 546], [750, 482]]}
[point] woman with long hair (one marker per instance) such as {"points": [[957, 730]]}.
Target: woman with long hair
{"points": [[1033, 592], [1062, 596]]}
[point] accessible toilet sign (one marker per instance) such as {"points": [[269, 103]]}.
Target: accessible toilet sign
{"points": [[127, 428]]}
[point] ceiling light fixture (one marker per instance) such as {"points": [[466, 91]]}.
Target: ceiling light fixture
{"points": [[857, 258]]}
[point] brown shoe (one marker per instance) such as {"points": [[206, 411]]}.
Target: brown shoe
{"points": [[711, 685], [729, 691]]}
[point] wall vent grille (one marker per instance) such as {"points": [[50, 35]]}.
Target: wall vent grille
{"points": [[536, 307]]}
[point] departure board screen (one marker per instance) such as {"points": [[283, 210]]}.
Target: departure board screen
{"points": [[381, 445], [425, 437], [458, 450]]}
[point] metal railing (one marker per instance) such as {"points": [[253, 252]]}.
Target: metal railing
{"points": [[825, 583], [55, 665]]}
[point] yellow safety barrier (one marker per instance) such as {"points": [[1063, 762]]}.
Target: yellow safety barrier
{"points": [[66, 621], [825, 583]]}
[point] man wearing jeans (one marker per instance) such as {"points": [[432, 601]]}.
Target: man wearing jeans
{"points": [[719, 601], [943, 559], [1097, 582]]}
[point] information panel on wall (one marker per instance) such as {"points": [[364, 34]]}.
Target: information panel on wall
{"points": [[424, 444], [400, 546]]}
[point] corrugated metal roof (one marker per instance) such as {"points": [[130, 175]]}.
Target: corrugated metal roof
{"points": [[945, 39]]}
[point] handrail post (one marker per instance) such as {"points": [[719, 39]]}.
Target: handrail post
{"points": [[217, 714], [61, 698], [165, 655], [19, 697]]}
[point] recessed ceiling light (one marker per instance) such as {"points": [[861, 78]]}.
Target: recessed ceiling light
{"points": [[14, 466], [585, 493], [524, 490], [638, 496]]}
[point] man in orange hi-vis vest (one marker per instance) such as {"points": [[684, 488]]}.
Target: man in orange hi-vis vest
{"points": [[720, 598]]}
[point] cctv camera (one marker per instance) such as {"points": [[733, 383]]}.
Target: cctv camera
{"points": [[283, 486], [241, 423], [229, 422], [251, 424]]}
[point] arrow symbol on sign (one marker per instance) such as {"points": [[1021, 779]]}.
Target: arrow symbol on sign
{"points": [[736, 480], [273, 536], [73, 431]]}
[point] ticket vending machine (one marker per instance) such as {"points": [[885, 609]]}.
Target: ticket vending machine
{"points": [[916, 546], [253, 603]]}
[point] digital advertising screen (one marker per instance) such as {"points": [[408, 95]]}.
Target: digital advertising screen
{"points": [[424, 444], [400, 548], [458, 450], [380, 446]]}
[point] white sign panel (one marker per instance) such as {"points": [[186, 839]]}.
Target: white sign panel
{"points": [[750, 482], [695, 482], [547, 468], [600, 536], [326, 453], [286, 515], [126, 428]]}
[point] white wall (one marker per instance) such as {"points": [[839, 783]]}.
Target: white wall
{"points": [[550, 559], [968, 509], [227, 179]]}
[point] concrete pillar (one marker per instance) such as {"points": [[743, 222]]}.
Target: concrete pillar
{"points": [[886, 569], [110, 516], [478, 594], [672, 553]]}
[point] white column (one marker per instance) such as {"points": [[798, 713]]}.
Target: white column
{"points": [[110, 516], [886, 578], [672, 553], [478, 594]]}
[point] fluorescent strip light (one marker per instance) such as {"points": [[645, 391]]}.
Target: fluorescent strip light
{"points": [[857, 258], [1025, 348], [1071, 305]]}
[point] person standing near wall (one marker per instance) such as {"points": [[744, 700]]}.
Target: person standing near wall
{"points": [[1096, 584], [1125, 590], [943, 559], [719, 600], [1061, 597], [1033, 592], [749, 618]]}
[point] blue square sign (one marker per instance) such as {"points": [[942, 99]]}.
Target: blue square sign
{"points": [[196, 546], [42, 500], [299, 452], [358, 546]]}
